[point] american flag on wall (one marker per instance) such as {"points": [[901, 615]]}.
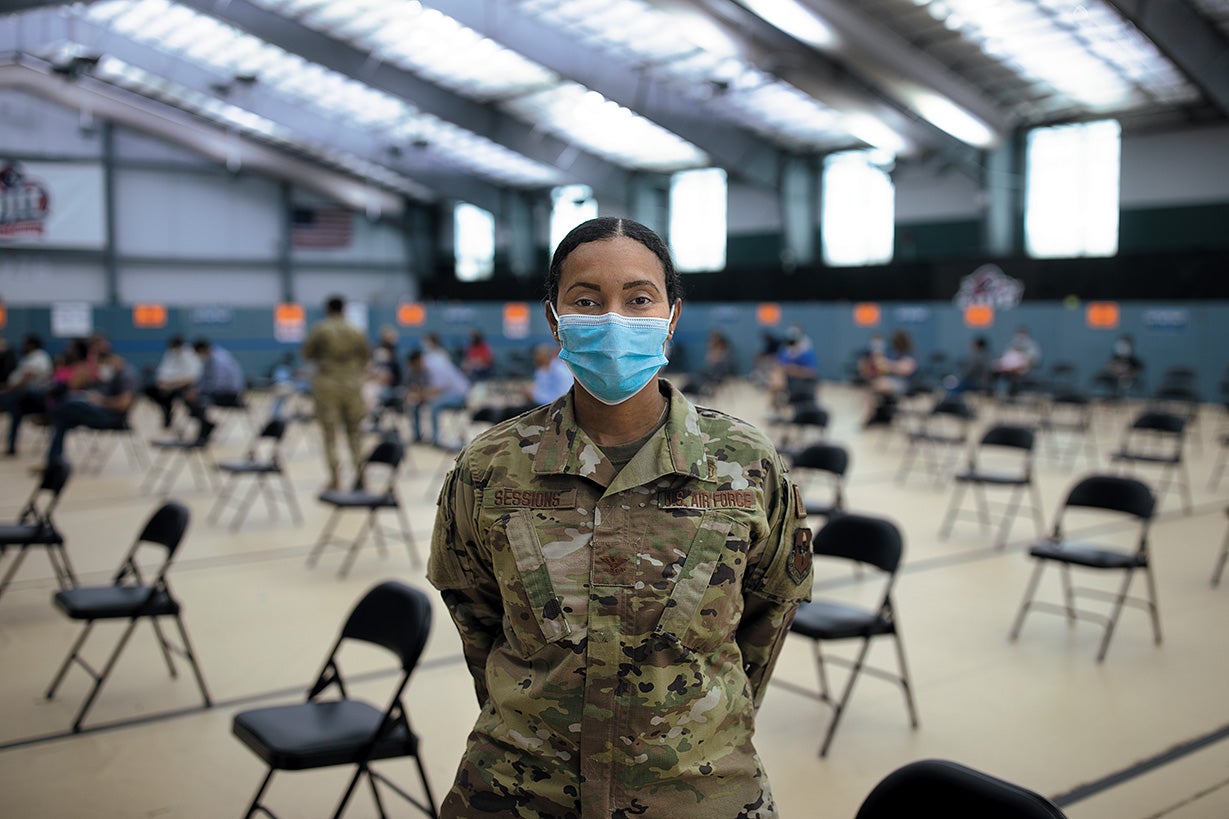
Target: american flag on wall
{"points": [[320, 227]]}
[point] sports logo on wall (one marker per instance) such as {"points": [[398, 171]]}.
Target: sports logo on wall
{"points": [[51, 204], [989, 285], [25, 203]]}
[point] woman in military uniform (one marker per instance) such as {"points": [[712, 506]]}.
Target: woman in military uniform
{"points": [[622, 567]]}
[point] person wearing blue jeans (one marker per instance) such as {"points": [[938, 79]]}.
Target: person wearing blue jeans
{"points": [[105, 406], [437, 384]]}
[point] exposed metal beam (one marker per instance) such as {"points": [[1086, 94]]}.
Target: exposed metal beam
{"points": [[175, 126], [1196, 46], [608, 180], [901, 69], [420, 165], [745, 154], [833, 84], [10, 6]]}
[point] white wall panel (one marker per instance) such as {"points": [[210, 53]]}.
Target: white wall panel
{"points": [[925, 193], [191, 215], [1180, 168], [372, 287], [199, 286], [31, 280], [131, 145], [31, 125], [752, 210]]}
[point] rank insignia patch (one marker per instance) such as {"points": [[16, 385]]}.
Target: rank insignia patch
{"points": [[799, 566]]}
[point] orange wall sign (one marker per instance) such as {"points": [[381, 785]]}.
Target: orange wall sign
{"points": [[1101, 315], [978, 315], [289, 322], [411, 314], [768, 314], [149, 316], [516, 319], [866, 314]]}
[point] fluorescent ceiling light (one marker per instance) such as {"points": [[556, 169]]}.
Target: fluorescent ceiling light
{"points": [[947, 116], [796, 20], [874, 132]]}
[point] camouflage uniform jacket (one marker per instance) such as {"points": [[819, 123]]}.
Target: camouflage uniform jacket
{"points": [[340, 352], [620, 628]]}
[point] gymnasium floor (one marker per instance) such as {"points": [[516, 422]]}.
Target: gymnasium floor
{"points": [[1143, 734]]}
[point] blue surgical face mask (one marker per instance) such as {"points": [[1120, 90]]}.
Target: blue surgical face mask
{"points": [[613, 356]]}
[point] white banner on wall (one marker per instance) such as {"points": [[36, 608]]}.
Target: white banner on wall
{"points": [[51, 204]]}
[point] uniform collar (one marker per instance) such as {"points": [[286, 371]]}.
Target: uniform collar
{"points": [[676, 449]]}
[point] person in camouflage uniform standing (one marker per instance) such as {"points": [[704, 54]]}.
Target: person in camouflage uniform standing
{"points": [[340, 352], [622, 567]]}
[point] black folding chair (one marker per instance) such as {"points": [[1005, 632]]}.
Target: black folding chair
{"points": [[829, 461], [1067, 424], [321, 733], [35, 528], [132, 597], [953, 791], [806, 424], [1157, 440], [939, 437], [386, 457], [876, 543], [1114, 495], [998, 440], [263, 465], [101, 442], [176, 452]]}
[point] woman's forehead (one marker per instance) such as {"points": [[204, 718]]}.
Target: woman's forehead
{"points": [[614, 260]]}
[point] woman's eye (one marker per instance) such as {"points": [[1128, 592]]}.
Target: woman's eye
{"points": [[642, 301], [585, 303]]}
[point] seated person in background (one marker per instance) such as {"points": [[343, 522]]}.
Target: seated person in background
{"points": [[893, 370], [221, 383], [1022, 356], [1123, 367], [869, 357], [551, 377], [104, 406], [797, 366], [178, 370], [479, 360], [382, 381], [974, 371], [436, 383], [25, 390], [719, 365]]}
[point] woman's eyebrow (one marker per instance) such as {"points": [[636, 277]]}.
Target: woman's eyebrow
{"points": [[585, 285], [640, 283]]}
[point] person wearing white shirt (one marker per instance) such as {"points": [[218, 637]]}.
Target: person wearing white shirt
{"points": [[178, 370], [25, 392]]}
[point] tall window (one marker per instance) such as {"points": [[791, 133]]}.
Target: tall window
{"points": [[859, 209], [570, 205], [698, 219], [1071, 198], [473, 242]]}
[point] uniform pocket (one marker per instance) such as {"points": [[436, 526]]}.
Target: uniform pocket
{"points": [[706, 602], [533, 613]]}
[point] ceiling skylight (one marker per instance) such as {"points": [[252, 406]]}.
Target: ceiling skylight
{"points": [[438, 48], [1082, 49], [211, 43], [681, 50]]}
